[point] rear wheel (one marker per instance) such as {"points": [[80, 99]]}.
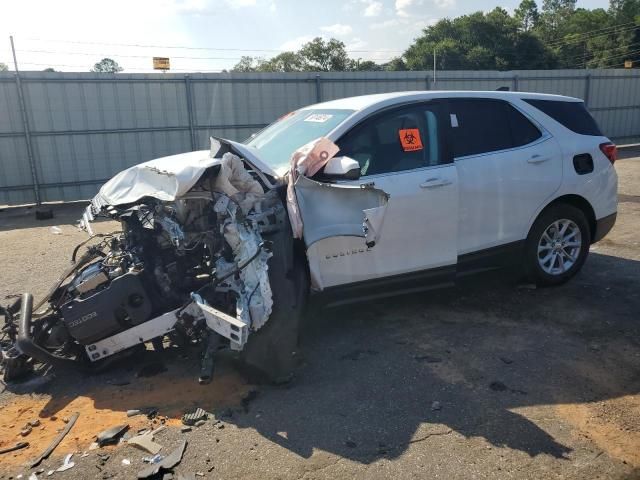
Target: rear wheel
{"points": [[557, 245]]}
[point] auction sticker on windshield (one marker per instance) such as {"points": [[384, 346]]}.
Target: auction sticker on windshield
{"points": [[318, 117]]}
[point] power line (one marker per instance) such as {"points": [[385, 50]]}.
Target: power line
{"points": [[614, 65], [611, 56], [89, 54], [137, 45], [564, 43], [58, 52], [588, 33], [592, 54], [56, 65]]}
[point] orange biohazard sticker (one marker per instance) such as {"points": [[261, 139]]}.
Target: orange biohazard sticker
{"points": [[410, 139]]}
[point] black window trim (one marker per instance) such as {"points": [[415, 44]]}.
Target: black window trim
{"points": [[446, 155], [545, 135]]}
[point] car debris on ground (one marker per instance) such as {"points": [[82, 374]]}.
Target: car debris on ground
{"points": [[66, 464], [192, 417], [111, 435], [166, 464], [56, 441], [146, 440], [17, 446]]}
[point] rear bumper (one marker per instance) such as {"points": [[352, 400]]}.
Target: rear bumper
{"points": [[604, 226]]}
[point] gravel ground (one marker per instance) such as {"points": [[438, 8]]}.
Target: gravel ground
{"points": [[487, 380]]}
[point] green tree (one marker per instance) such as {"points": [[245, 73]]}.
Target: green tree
{"points": [[326, 56], [107, 65], [316, 55], [248, 64], [367, 66], [627, 13], [555, 13], [491, 41], [624, 11], [284, 62], [49, 69], [3, 67], [396, 64], [527, 15]]}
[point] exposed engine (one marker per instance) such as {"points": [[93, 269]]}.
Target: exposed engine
{"points": [[194, 266]]}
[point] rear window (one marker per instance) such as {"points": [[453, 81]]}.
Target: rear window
{"points": [[573, 115]]}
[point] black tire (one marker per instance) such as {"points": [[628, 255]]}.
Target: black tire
{"points": [[532, 262], [271, 353]]}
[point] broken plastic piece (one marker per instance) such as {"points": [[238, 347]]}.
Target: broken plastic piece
{"points": [[146, 441], [66, 464], [111, 435], [155, 459], [190, 418], [170, 461]]}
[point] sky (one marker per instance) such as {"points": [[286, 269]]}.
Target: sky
{"points": [[211, 35]]}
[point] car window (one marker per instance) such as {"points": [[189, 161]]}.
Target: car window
{"points": [[486, 125], [276, 143], [398, 140], [478, 126], [573, 115], [523, 131]]}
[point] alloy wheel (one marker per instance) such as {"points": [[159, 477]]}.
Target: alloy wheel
{"points": [[559, 247]]}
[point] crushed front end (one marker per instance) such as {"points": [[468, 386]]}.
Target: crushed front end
{"points": [[190, 262]]}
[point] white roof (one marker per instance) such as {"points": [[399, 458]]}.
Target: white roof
{"points": [[365, 101]]}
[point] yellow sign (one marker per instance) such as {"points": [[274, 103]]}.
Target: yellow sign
{"points": [[628, 64], [161, 63]]}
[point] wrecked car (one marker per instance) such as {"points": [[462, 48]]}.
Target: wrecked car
{"points": [[350, 199]]}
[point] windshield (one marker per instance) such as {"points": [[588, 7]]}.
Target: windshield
{"points": [[277, 142]]}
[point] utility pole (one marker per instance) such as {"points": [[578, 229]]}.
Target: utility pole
{"points": [[434, 67], [41, 214]]}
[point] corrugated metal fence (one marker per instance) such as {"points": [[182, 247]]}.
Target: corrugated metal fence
{"points": [[78, 129]]}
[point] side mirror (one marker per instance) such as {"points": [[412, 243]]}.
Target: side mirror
{"points": [[342, 168]]}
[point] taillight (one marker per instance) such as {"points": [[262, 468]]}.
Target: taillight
{"points": [[610, 151]]}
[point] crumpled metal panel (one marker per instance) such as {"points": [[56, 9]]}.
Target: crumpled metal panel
{"points": [[330, 210]]}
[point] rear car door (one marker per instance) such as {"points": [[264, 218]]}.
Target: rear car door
{"points": [[401, 151], [508, 166]]}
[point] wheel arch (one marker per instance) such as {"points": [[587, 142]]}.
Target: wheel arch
{"points": [[576, 201]]}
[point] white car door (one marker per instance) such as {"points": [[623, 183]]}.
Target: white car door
{"points": [[403, 153], [507, 168]]}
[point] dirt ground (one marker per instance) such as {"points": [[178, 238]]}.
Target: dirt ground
{"points": [[490, 379]]}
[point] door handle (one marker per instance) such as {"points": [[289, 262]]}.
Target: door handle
{"points": [[435, 182], [538, 159]]}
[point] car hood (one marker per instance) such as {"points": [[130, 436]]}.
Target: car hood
{"points": [[168, 178]]}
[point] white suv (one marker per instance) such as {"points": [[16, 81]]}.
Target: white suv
{"points": [[475, 180], [383, 193]]}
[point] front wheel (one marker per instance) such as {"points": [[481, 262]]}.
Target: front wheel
{"points": [[557, 245]]}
